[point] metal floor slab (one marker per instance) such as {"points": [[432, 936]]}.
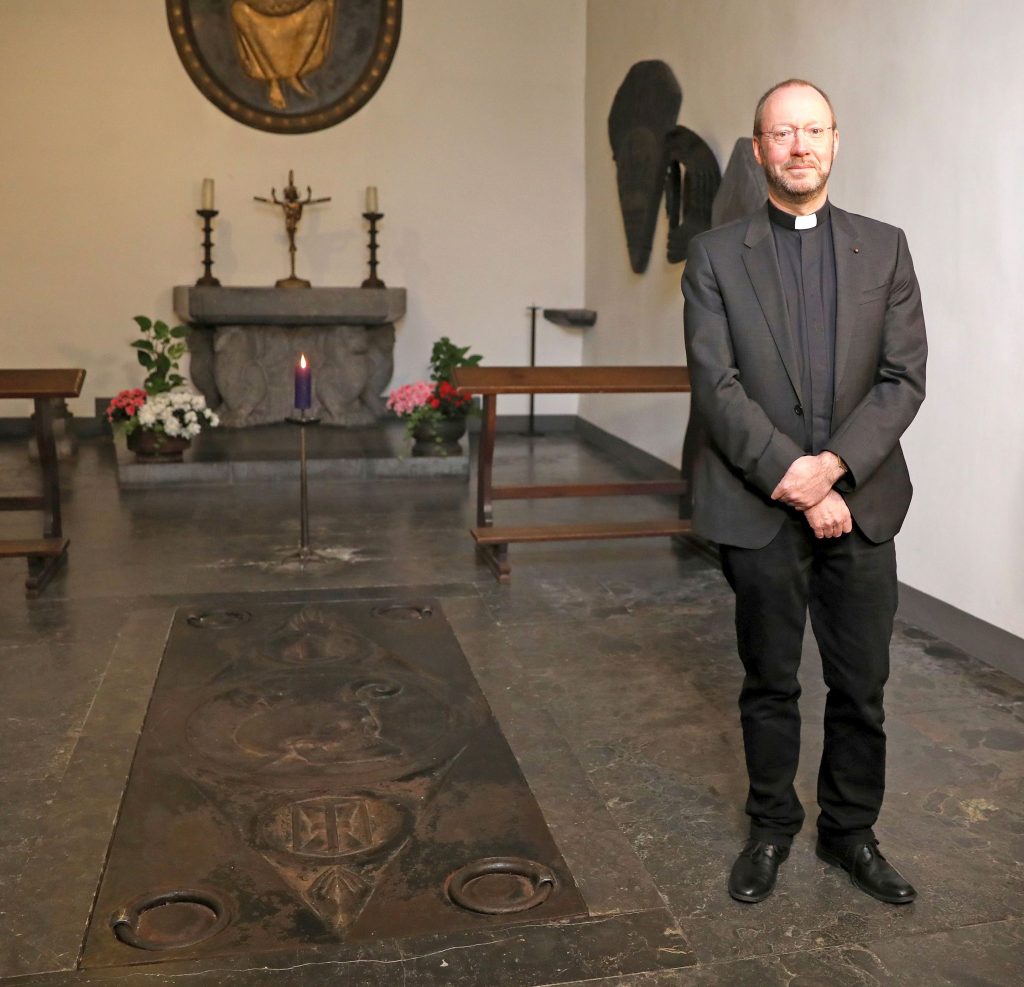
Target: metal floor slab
{"points": [[323, 773]]}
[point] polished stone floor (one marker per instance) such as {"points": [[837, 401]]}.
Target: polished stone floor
{"points": [[610, 667]]}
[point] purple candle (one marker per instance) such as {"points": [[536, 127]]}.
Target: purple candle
{"points": [[303, 385]]}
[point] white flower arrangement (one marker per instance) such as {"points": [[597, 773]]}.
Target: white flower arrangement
{"points": [[178, 412]]}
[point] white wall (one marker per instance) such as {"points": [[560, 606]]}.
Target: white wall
{"points": [[928, 95], [475, 141]]}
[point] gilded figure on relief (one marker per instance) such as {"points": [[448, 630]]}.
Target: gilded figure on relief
{"points": [[283, 41]]}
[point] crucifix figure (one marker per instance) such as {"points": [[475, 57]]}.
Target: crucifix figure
{"points": [[292, 205]]}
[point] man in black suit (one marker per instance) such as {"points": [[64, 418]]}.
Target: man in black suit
{"points": [[806, 346]]}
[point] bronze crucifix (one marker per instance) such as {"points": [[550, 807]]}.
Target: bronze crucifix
{"points": [[292, 205]]}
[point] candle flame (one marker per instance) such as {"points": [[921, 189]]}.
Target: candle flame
{"points": [[302, 361]]}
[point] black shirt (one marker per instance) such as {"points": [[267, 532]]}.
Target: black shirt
{"points": [[807, 262]]}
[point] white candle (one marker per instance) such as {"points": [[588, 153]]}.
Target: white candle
{"points": [[371, 198], [208, 193]]}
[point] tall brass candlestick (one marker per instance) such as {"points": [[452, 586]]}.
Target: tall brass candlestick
{"points": [[207, 278], [304, 553], [373, 281]]}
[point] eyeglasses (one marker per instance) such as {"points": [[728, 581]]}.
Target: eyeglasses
{"points": [[783, 136]]}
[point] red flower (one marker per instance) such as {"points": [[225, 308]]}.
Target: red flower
{"points": [[435, 403], [125, 404]]}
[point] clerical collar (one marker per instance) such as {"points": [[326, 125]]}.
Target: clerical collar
{"points": [[790, 222]]}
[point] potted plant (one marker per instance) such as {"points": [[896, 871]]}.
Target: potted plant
{"points": [[433, 411], [445, 356], [160, 419], [159, 351]]}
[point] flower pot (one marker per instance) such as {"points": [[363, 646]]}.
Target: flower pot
{"points": [[439, 438], [157, 447]]}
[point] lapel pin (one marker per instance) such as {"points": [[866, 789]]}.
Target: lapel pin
{"points": [[856, 250]]}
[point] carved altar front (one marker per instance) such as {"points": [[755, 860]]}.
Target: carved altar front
{"points": [[246, 342]]}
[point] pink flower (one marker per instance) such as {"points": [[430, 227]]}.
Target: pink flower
{"points": [[406, 399]]}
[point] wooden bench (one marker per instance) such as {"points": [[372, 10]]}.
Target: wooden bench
{"points": [[46, 554], [492, 541]]}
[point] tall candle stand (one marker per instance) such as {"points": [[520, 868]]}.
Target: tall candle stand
{"points": [[373, 281], [304, 553], [207, 278], [534, 309]]}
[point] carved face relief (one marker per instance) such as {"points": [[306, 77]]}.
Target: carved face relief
{"points": [[349, 724]]}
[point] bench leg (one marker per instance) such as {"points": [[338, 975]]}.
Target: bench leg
{"points": [[485, 462], [41, 569], [47, 446], [496, 557]]}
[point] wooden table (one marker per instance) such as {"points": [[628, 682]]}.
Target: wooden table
{"points": [[493, 541], [46, 554]]}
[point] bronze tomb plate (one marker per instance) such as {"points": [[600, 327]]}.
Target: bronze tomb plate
{"points": [[319, 774]]}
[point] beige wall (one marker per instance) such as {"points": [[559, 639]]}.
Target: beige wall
{"points": [[475, 141], [928, 95]]}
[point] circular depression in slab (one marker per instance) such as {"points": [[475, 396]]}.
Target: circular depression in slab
{"points": [[170, 920], [501, 885]]}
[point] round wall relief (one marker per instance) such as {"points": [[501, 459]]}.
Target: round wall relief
{"points": [[287, 66]]}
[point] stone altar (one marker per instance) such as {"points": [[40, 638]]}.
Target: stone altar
{"points": [[247, 341]]}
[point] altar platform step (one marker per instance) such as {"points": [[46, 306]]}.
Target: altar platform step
{"points": [[271, 452]]}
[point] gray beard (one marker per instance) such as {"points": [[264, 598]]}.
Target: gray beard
{"points": [[783, 190]]}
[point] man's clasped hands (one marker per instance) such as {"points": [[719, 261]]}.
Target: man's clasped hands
{"points": [[808, 486]]}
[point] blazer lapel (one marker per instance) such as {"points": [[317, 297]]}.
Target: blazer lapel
{"points": [[763, 270], [849, 285]]}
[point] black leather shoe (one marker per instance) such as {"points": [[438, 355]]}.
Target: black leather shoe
{"points": [[869, 871], [753, 875]]}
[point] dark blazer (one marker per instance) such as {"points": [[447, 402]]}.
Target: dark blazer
{"points": [[745, 373]]}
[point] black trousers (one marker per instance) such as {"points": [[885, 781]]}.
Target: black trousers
{"points": [[849, 586]]}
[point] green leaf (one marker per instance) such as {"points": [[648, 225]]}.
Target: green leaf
{"points": [[144, 324], [179, 332], [145, 359], [445, 356], [177, 351], [142, 344]]}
